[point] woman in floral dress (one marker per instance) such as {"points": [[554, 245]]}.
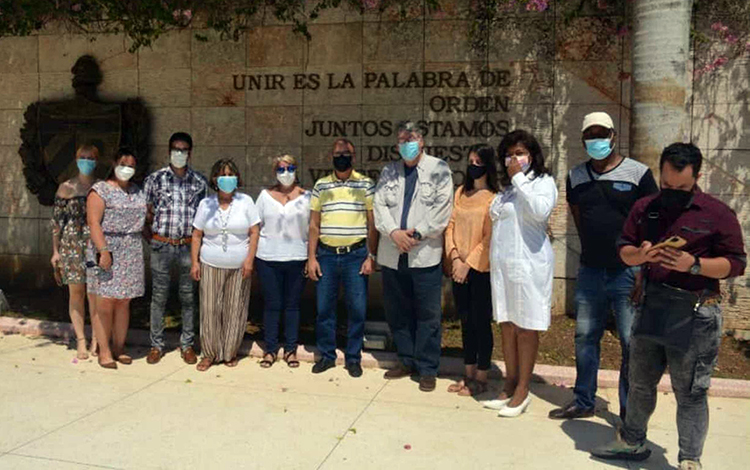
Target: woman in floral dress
{"points": [[116, 214], [70, 235]]}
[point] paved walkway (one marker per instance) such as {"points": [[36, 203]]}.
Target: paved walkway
{"points": [[58, 414]]}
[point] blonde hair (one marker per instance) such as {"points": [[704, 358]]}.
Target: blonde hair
{"points": [[88, 148], [286, 158]]}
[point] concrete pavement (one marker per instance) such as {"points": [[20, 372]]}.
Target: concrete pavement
{"points": [[56, 413]]}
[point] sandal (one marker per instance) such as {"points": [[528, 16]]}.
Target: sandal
{"points": [[292, 363], [205, 364], [232, 362], [473, 388], [458, 386], [265, 363]]}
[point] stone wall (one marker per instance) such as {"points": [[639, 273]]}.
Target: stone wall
{"points": [[272, 92]]}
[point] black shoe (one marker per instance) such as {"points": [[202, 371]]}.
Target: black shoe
{"points": [[571, 411], [355, 370], [398, 372], [323, 365], [427, 383]]}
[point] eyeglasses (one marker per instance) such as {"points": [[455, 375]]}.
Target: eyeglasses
{"points": [[291, 169]]}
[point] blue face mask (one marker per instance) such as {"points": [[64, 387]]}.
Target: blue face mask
{"points": [[598, 149], [227, 184], [409, 150], [85, 166]]}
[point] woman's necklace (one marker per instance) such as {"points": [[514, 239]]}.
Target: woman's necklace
{"points": [[224, 221]]}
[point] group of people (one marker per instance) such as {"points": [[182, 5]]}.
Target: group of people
{"points": [[490, 237]]}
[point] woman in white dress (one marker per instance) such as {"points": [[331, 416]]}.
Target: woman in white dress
{"points": [[521, 263]]}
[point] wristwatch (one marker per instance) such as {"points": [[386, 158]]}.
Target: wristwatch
{"points": [[372, 256], [695, 269], [417, 236]]}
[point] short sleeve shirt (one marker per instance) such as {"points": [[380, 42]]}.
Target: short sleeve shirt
{"points": [[226, 236], [343, 207], [604, 201]]}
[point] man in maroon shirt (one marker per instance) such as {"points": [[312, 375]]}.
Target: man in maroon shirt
{"points": [[714, 250]]}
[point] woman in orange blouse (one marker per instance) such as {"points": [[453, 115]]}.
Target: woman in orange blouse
{"points": [[467, 241]]}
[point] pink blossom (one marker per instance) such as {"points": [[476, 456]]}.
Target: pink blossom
{"points": [[537, 5], [602, 4], [720, 27], [747, 46], [370, 4], [182, 15], [76, 7], [731, 39]]}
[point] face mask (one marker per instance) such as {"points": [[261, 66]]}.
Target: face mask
{"points": [[124, 173], [227, 184], [523, 161], [409, 150], [342, 162], [178, 158], [598, 149], [675, 199], [286, 178], [85, 166], [475, 171]]}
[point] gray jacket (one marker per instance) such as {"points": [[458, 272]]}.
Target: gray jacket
{"points": [[429, 214]]}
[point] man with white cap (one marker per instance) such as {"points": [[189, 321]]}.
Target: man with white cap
{"points": [[600, 193]]}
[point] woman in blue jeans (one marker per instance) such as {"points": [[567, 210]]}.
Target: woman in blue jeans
{"points": [[282, 253]]}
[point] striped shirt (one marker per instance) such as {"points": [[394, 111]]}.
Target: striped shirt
{"points": [[343, 207]]}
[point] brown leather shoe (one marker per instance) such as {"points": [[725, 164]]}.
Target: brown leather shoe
{"points": [[427, 383], [189, 356], [154, 356], [398, 372]]}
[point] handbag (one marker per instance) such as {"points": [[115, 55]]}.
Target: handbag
{"points": [[666, 316]]}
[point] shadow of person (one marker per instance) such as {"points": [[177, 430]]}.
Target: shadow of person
{"points": [[588, 435]]}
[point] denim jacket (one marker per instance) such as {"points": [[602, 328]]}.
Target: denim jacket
{"points": [[429, 214]]}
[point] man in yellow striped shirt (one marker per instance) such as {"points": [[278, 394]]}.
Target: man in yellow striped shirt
{"points": [[341, 250]]}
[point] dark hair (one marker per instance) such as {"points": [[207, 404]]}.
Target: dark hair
{"points": [[181, 136], [520, 136], [487, 155], [219, 167], [342, 140], [680, 155], [121, 152]]}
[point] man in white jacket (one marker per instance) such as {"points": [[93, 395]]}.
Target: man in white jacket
{"points": [[412, 207]]}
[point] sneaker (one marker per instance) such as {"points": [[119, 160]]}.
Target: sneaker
{"points": [[323, 365], [571, 411], [154, 356], [399, 372], [427, 383], [355, 369], [619, 449], [690, 465]]}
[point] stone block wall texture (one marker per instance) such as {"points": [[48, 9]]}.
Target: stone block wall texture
{"points": [[272, 92]]}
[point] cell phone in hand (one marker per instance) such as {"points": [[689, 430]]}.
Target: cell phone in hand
{"points": [[671, 242]]}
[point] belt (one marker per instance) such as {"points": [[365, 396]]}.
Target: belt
{"points": [[342, 250], [173, 241]]}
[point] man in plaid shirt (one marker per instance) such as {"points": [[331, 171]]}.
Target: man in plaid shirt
{"points": [[173, 194]]}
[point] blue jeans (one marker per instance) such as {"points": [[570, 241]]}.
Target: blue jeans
{"points": [[341, 269], [598, 291], [163, 256], [413, 311], [690, 372], [282, 283]]}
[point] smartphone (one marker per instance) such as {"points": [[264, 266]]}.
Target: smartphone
{"points": [[671, 242]]}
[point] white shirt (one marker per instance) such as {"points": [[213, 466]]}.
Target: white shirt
{"points": [[284, 229], [236, 220], [521, 258]]}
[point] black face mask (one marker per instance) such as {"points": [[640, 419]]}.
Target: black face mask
{"points": [[342, 162], [475, 171], [675, 199]]}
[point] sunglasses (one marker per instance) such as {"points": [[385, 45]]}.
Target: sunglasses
{"points": [[281, 170]]}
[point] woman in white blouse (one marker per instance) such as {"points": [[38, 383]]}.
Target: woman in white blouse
{"points": [[521, 264], [225, 239], [282, 253]]}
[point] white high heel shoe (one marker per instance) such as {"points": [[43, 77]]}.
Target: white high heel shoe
{"points": [[496, 405], [509, 412]]}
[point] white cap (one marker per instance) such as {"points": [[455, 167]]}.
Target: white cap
{"points": [[598, 118]]}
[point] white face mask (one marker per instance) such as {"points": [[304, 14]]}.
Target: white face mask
{"points": [[124, 173], [286, 178], [178, 158]]}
